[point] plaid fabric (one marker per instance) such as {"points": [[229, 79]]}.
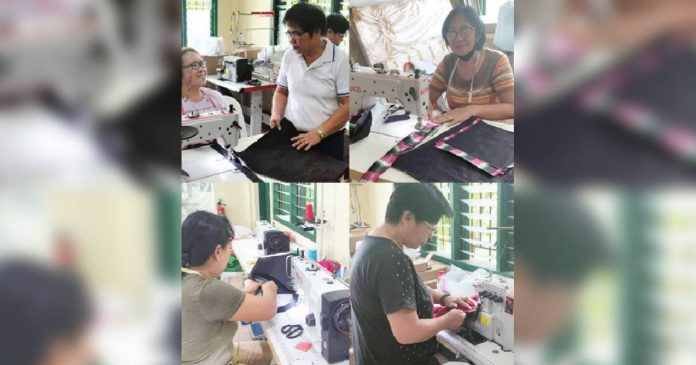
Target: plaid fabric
{"points": [[603, 97], [411, 141], [483, 165], [385, 162]]}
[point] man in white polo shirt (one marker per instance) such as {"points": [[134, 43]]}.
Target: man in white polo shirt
{"points": [[313, 91]]}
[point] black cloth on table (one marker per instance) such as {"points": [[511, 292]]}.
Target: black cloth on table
{"points": [[563, 143], [273, 156], [427, 163], [487, 143]]}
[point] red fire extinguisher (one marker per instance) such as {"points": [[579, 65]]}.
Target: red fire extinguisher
{"points": [[220, 208]]}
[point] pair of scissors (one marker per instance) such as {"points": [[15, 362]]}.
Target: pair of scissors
{"points": [[291, 330]]}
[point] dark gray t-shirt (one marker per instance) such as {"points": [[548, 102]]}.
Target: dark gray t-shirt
{"points": [[383, 281]]}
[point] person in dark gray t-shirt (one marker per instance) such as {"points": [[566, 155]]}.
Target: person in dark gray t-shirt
{"points": [[392, 309]]}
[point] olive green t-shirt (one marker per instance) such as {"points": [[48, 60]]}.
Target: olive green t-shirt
{"points": [[206, 334]]}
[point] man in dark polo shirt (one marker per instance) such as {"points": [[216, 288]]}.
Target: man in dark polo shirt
{"points": [[392, 309]]}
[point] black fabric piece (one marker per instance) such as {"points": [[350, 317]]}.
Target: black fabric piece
{"points": [[284, 308], [565, 144], [245, 170], [332, 146], [235, 161], [384, 281], [427, 163], [276, 268], [668, 90], [398, 118], [487, 143], [273, 155], [360, 124]]}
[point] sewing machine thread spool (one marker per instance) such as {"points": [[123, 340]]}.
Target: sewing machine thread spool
{"points": [[309, 212]]}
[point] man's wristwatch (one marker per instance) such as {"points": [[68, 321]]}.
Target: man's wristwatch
{"points": [[320, 133], [443, 297]]}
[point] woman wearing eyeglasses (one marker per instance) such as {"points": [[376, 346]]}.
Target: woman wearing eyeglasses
{"points": [[210, 308], [476, 81], [313, 91], [195, 97], [392, 309]]}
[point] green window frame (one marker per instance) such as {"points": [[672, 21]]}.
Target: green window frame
{"points": [[191, 4], [480, 234], [288, 205]]}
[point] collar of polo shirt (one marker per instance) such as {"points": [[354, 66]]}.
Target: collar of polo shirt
{"points": [[329, 54]]}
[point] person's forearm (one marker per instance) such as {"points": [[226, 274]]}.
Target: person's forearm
{"points": [[494, 111], [422, 330], [435, 294], [270, 301], [280, 101], [434, 94], [337, 120]]}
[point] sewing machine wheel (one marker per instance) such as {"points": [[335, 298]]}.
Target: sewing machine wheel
{"points": [[341, 318], [275, 243]]}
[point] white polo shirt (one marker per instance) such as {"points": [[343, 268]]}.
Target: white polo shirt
{"points": [[313, 90]]}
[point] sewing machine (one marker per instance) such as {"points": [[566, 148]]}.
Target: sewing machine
{"points": [[487, 335], [236, 69], [328, 307], [202, 127], [410, 91]]}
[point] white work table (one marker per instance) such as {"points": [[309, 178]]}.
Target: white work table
{"points": [[204, 164], [487, 353], [284, 351], [385, 136], [256, 92]]}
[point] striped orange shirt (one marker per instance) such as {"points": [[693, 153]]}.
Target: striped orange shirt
{"points": [[492, 79]]}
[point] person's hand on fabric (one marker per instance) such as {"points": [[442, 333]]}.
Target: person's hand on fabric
{"points": [[275, 121], [463, 303], [433, 112], [454, 319], [251, 286], [306, 140], [269, 287], [455, 116]]}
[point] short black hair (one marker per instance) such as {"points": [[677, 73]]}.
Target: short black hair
{"points": [[424, 201], [337, 23], [308, 17], [472, 17], [38, 305], [201, 232]]}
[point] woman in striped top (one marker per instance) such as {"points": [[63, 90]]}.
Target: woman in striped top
{"points": [[477, 81]]}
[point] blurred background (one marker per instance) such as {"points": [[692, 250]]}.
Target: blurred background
{"points": [[89, 134], [606, 219], [605, 215]]}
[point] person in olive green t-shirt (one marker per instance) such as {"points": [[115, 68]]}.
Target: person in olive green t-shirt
{"points": [[210, 308]]}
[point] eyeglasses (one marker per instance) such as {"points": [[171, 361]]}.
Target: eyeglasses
{"points": [[195, 65], [463, 32], [430, 226], [294, 35]]}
